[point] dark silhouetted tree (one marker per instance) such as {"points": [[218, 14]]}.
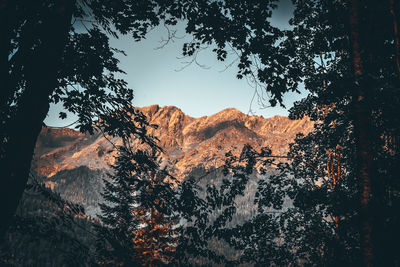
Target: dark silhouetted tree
{"points": [[346, 53], [139, 215], [48, 52], [309, 206]]}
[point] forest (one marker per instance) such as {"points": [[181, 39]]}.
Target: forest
{"points": [[332, 200]]}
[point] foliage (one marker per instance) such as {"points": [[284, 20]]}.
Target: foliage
{"points": [[138, 216], [336, 213], [309, 210]]}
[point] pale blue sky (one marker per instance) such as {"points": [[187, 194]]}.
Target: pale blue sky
{"points": [[154, 76]]}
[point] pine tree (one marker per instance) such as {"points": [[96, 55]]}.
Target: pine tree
{"points": [[139, 223], [119, 222]]}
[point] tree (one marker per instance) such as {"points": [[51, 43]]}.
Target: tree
{"points": [[343, 51], [118, 219], [367, 82], [311, 201], [42, 56], [58, 52], [138, 216], [309, 205], [15, 164]]}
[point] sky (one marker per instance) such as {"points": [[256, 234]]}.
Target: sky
{"points": [[159, 76]]}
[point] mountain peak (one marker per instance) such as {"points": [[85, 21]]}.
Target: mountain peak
{"points": [[191, 145], [230, 110], [187, 142], [150, 109], [156, 110], [228, 114]]}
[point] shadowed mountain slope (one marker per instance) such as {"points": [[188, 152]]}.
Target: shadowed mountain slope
{"points": [[63, 157]]}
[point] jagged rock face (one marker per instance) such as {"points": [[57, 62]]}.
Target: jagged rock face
{"points": [[189, 144], [193, 142]]}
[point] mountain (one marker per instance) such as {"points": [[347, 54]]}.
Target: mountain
{"points": [[74, 164]]}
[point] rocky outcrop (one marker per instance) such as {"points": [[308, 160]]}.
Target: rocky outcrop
{"points": [[189, 144]]}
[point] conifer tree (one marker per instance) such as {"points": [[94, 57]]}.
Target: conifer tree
{"points": [[138, 217], [119, 222]]}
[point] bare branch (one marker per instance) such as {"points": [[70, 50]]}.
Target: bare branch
{"points": [[171, 37]]}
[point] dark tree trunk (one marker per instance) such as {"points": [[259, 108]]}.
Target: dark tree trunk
{"points": [[40, 70], [362, 134]]}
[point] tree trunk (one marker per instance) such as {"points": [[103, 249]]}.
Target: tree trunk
{"points": [[40, 72], [362, 134]]}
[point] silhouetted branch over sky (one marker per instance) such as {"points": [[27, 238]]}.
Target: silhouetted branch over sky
{"points": [[152, 74]]}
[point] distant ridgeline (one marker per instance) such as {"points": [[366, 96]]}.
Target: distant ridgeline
{"points": [[73, 165]]}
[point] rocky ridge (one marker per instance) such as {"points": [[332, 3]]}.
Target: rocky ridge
{"points": [[189, 144]]}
